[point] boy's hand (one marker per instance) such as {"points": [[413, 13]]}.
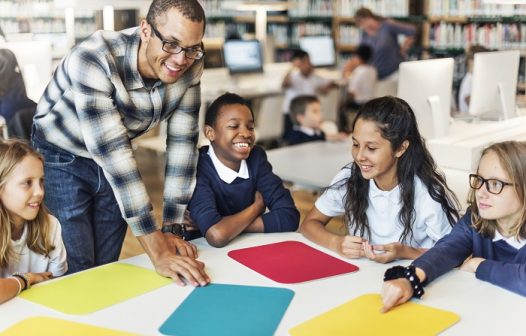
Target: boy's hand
{"points": [[259, 203]]}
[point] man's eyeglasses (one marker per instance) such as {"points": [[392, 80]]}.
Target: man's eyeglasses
{"points": [[493, 186], [173, 47]]}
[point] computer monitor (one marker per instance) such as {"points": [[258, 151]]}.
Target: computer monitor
{"points": [[243, 56], [427, 87], [494, 84], [320, 50]]}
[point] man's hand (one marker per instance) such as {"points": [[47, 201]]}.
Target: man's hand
{"points": [[167, 263], [180, 246], [177, 267]]}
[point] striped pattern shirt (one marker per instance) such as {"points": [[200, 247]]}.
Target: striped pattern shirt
{"points": [[97, 102]]}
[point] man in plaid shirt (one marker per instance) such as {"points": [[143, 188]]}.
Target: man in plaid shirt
{"points": [[109, 89]]}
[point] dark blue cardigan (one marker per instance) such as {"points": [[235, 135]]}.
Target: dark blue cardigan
{"points": [[213, 198], [505, 266], [295, 137]]}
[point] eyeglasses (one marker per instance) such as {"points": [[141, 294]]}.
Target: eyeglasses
{"points": [[173, 47], [493, 186]]}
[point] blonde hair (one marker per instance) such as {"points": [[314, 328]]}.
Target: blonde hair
{"points": [[512, 157], [12, 152]]}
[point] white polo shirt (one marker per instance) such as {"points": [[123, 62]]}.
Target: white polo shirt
{"points": [[301, 85], [430, 224], [29, 261]]}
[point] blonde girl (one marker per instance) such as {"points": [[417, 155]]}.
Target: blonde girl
{"points": [[31, 247]]}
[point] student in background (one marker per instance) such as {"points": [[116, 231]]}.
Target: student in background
{"points": [[13, 97], [307, 118], [492, 232], [382, 36], [31, 248], [235, 182], [394, 201], [301, 80], [464, 91], [362, 78]]}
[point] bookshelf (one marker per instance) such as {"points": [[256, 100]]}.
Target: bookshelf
{"points": [[41, 20]]}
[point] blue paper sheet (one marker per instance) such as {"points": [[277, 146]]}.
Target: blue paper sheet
{"points": [[229, 310]]}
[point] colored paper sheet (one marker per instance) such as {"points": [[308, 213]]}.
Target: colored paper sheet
{"points": [[291, 262], [47, 326], [229, 310], [95, 289], [362, 316]]}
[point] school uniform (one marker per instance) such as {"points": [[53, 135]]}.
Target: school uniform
{"points": [[300, 86], [505, 264], [362, 83], [30, 261], [300, 134], [221, 191], [430, 223]]}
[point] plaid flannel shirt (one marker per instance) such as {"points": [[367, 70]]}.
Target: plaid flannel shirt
{"points": [[97, 102]]}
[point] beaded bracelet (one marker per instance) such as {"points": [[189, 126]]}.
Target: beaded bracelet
{"points": [[409, 273], [18, 283], [24, 278]]}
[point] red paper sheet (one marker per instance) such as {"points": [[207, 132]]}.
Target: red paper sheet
{"points": [[291, 262]]}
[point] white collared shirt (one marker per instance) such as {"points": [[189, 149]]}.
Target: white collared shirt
{"points": [[512, 241], [30, 261], [226, 174], [430, 224], [307, 130]]}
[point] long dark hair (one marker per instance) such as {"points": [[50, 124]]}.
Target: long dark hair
{"points": [[397, 123], [9, 71]]}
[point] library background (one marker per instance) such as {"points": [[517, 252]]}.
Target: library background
{"points": [[41, 32]]}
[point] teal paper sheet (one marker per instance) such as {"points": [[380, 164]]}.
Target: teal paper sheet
{"points": [[229, 310]]}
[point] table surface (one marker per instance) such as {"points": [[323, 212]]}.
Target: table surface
{"points": [[484, 309], [312, 164]]}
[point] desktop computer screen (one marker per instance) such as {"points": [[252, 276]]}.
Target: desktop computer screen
{"points": [[427, 87], [494, 87], [242, 56], [320, 50]]}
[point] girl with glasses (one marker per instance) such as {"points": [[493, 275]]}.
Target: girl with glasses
{"points": [[492, 232]]}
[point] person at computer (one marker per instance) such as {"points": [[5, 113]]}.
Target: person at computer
{"points": [[381, 35], [111, 88], [464, 92], [301, 80], [307, 118]]}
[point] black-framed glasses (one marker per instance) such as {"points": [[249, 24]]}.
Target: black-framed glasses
{"points": [[173, 47], [493, 186]]}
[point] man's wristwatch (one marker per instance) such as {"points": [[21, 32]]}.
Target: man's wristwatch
{"points": [[175, 228]]}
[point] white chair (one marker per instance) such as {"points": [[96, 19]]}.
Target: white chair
{"points": [[269, 118], [3, 128]]}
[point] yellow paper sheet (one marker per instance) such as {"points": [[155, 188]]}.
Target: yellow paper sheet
{"points": [[95, 289], [362, 316], [47, 326]]}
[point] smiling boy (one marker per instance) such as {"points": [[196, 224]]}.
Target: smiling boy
{"points": [[235, 182]]}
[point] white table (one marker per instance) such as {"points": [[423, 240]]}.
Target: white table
{"points": [[484, 309], [312, 164]]}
